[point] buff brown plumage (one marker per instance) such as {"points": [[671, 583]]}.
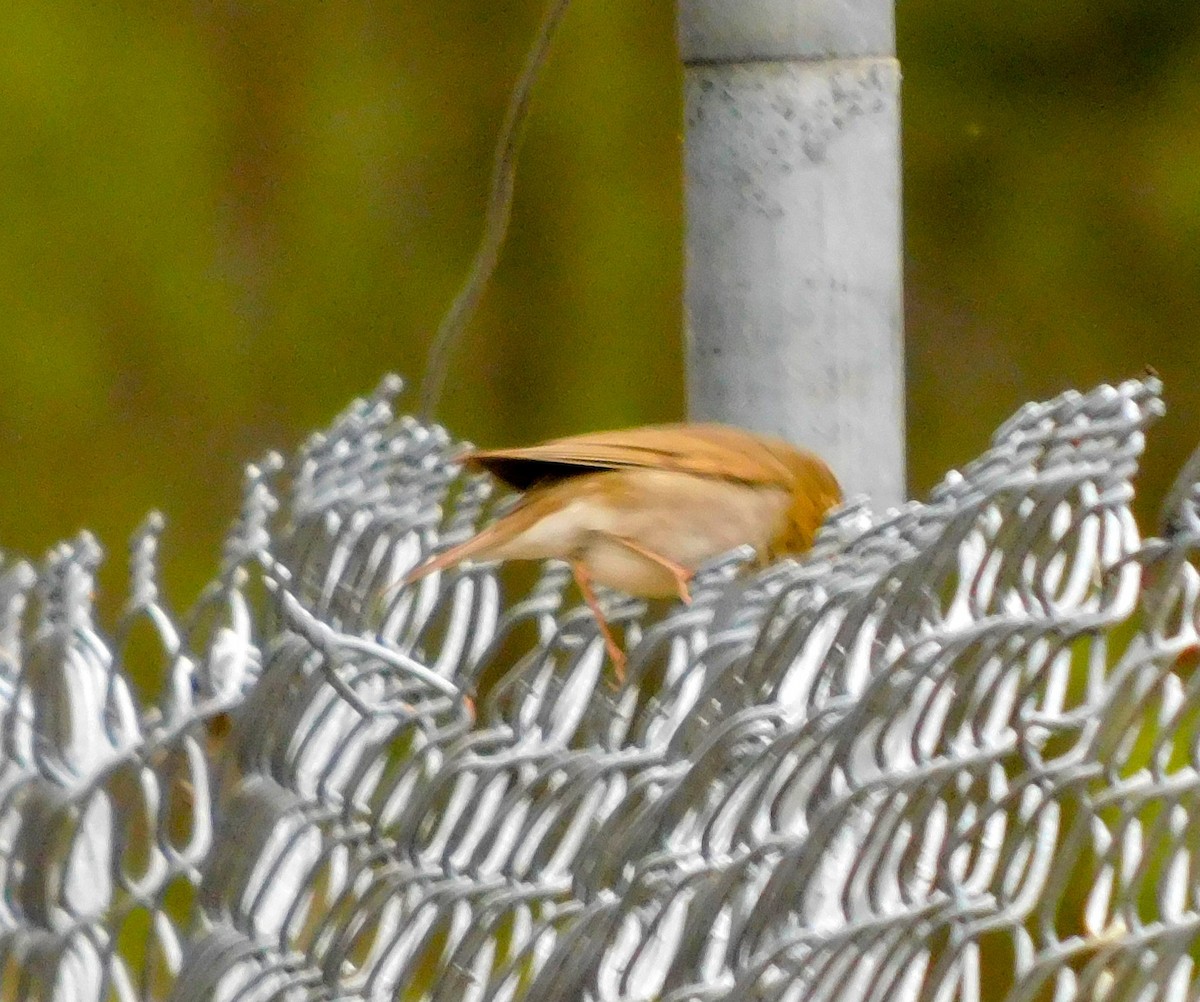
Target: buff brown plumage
{"points": [[641, 508]]}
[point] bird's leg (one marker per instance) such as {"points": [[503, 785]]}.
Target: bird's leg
{"points": [[680, 573], [584, 580]]}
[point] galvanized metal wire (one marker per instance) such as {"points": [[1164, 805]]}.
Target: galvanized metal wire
{"points": [[953, 754]]}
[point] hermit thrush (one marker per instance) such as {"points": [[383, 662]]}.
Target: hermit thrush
{"points": [[639, 510]]}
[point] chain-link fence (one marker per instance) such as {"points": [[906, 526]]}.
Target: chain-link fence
{"points": [[953, 754]]}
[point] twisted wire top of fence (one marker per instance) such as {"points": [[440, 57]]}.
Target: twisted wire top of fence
{"points": [[952, 754]]}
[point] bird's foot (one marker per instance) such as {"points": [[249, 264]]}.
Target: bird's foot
{"points": [[682, 575], [584, 581], [618, 657]]}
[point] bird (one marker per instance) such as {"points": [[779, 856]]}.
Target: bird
{"points": [[640, 509]]}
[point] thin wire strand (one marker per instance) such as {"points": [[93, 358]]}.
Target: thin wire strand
{"points": [[499, 212]]}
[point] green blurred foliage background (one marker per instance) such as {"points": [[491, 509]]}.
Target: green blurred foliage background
{"points": [[220, 221]]}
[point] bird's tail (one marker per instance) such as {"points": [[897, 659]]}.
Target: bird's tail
{"points": [[438, 562], [477, 546]]}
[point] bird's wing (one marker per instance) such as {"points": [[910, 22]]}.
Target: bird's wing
{"points": [[699, 449]]}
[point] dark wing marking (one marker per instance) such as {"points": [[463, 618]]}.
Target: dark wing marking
{"points": [[699, 449]]}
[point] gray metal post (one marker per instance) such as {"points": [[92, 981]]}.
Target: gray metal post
{"points": [[793, 287]]}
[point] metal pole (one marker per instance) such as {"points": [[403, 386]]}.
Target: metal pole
{"points": [[793, 287]]}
